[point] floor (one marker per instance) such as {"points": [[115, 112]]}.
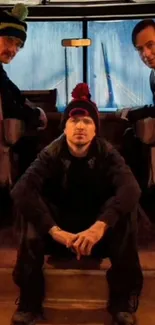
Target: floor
{"points": [[145, 315], [81, 314]]}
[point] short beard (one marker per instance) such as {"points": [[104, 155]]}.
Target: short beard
{"points": [[81, 145]]}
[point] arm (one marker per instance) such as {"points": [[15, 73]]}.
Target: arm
{"points": [[140, 113], [15, 105], [27, 193], [29, 201], [36, 120], [127, 191]]}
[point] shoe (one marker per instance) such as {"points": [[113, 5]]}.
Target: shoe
{"points": [[23, 318], [24, 314], [124, 318]]}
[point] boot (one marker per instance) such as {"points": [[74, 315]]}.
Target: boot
{"points": [[124, 318], [26, 314]]}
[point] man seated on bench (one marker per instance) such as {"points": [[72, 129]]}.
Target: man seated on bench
{"points": [[80, 197], [139, 153]]}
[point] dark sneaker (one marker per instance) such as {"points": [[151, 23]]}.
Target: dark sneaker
{"points": [[124, 318], [23, 318], [24, 314]]}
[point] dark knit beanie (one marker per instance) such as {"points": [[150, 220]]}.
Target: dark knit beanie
{"points": [[12, 22], [81, 105]]}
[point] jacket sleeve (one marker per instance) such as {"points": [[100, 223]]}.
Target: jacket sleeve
{"points": [[141, 113], [15, 104], [125, 188], [27, 193]]}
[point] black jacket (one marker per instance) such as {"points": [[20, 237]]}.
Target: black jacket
{"points": [[136, 153], [152, 83], [73, 193], [14, 103], [137, 156], [141, 113]]}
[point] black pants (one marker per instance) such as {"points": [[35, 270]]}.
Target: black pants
{"points": [[124, 277], [6, 216], [27, 150], [147, 202]]}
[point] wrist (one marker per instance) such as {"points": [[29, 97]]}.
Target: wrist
{"points": [[99, 225], [54, 230]]}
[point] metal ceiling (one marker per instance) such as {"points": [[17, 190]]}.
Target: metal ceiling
{"points": [[89, 10]]}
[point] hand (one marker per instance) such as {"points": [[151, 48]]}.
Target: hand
{"points": [[43, 119], [124, 113], [63, 237], [87, 239]]}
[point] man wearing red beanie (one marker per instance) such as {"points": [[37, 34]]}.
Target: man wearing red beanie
{"points": [[80, 197]]}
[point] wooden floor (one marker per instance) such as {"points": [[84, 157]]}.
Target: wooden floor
{"points": [[145, 315], [85, 311]]}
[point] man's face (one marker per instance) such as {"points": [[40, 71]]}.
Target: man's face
{"points": [[9, 46], [80, 130], [145, 45]]}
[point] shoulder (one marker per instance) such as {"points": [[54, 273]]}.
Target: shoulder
{"points": [[54, 148], [3, 75], [7, 84], [104, 146], [152, 80], [110, 154], [152, 73]]}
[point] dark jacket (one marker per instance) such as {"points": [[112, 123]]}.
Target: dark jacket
{"points": [[141, 113], [73, 193], [14, 103], [18, 117], [137, 156], [152, 83], [136, 153]]}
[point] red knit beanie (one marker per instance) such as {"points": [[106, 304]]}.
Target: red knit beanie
{"points": [[81, 104]]}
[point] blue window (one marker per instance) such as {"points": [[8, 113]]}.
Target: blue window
{"points": [[40, 65], [116, 75]]}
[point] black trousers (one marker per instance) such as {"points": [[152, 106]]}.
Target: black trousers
{"points": [[124, 277], [147, 202], [6, 216], [27, 150]]}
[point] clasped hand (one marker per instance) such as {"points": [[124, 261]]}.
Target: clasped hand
{"points": [[82, 242], [87, 239]]}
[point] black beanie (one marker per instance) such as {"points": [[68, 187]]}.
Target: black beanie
{"points": [[12, 22], [81, 104]]}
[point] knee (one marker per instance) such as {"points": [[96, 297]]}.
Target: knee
{"points": [[30, 260]]}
